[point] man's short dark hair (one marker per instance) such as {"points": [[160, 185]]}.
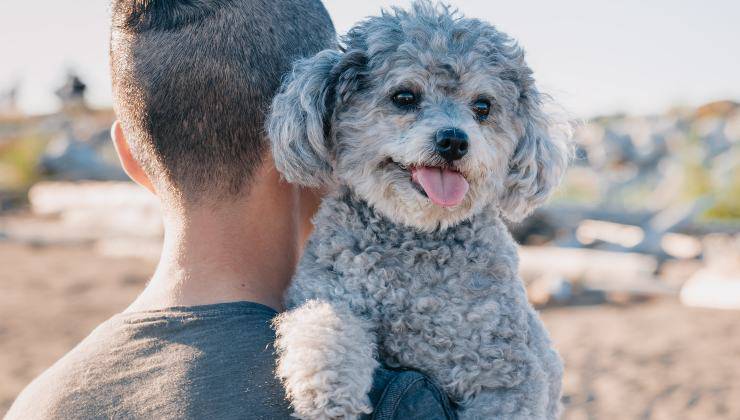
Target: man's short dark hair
{"points": [[193, 80]]}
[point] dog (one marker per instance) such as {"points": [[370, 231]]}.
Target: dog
{"points": [[429, 129]]}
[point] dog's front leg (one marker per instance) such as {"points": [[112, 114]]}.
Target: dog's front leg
{"points": [[325, 360], [537, 396]]}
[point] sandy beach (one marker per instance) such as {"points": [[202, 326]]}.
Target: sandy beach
{"points": [[650, 360]]}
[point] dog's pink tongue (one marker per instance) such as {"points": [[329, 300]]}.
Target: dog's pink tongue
{"points": [[444, 187]]}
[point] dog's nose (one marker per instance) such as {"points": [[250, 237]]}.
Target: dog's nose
{"points": [[451, 143]]}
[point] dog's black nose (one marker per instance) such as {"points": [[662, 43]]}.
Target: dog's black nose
{"points": [[451, 143]]}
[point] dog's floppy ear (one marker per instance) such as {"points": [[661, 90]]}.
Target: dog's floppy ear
{"points": [[540, 158], [300, 121]]}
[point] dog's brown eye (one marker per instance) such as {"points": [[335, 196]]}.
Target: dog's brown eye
{"points": [[481, 108], [405, 99]]}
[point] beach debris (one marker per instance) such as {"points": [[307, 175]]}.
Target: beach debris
{"points": [[67, 158], [72, 92], [711, 288], [107, 208]]}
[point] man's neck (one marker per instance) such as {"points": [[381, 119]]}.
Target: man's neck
{"points": [[232, 251]]}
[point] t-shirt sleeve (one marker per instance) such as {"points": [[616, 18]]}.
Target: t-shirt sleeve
{"points": [[407, 395]]}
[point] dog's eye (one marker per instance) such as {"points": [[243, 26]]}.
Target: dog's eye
{"points": [[481, 108], [405, 99]]}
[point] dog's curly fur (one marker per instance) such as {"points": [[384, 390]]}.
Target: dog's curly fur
{"points": [[388, 274]]}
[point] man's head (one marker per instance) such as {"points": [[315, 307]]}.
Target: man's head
{"points": [[192, 80]]}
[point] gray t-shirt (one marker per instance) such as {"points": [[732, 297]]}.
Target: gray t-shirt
{"points": [[211, 361]]}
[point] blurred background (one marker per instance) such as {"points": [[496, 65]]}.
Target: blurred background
{"points": [[635, 263]]}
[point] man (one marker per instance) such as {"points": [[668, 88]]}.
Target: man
{"points": [[192, 80]]}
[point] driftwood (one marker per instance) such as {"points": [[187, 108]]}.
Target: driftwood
{"points": [[594, 269], [106, 208], [641, 232]]}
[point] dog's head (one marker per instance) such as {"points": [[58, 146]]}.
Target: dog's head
{"points": [[426, 115]]}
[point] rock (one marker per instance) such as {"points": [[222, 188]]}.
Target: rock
{"points": [[676, 272], [716, 109], [712, 137], [69, 159], [711, 288], [681, 246], [732, 128], [722, 252], [550, 289]]}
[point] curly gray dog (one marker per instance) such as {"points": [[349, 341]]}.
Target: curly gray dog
{"points": [[430, 128]]}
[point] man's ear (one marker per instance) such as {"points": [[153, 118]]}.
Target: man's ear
{"points": [[132, 168], [539, 160], [299, 124]]}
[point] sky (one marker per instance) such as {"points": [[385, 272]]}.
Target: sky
{"points": [[594, 57]]}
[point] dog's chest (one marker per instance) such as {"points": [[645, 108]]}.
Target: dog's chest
{"points": [[447, 299], [408, 281], [441, 302]]}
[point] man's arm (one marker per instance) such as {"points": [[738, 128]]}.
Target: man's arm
{"points": [[407, 395]]}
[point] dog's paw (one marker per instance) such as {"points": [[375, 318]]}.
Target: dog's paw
{"points": [[325, 361]]}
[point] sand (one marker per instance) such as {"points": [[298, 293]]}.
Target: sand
{"points": [[653, 360]]}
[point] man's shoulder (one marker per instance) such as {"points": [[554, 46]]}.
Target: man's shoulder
{"points": [[178, 363], [51, 393]]}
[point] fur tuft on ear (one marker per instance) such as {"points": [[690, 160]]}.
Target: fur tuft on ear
{"points": [[539, 160], [544, 148], [298, 124]]}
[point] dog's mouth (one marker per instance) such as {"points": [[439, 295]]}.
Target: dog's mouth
{"points": [[443, 185]]}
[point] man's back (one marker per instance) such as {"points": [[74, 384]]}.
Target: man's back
{"points": [[210, 361], [196, 362], [191, 83]]}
